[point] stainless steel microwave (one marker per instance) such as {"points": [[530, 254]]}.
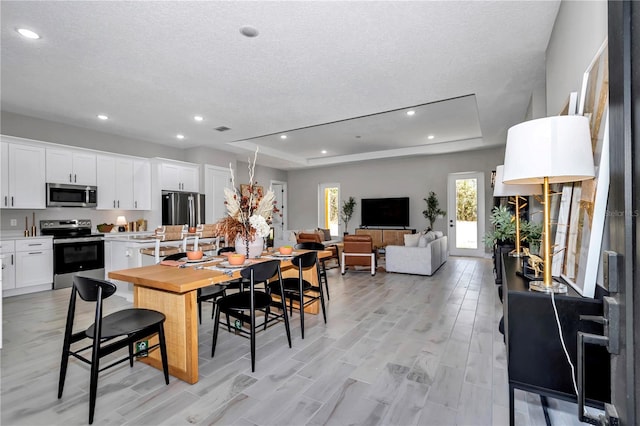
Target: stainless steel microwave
{"points": [[64, 195]]}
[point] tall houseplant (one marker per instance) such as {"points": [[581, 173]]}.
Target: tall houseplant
{"points": [[433, 209], [347, 212]]}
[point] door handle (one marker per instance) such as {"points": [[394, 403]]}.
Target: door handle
{"points": [[12, 201], [114, 204], [135, 204], [75, 178], [70, 180], [118, 203], [5, 200]]}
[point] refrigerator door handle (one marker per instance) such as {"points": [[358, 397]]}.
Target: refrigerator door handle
{"points": [[192, 211]]}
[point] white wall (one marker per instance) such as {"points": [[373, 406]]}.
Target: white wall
{"points": [[412, 177], [579, 31]]}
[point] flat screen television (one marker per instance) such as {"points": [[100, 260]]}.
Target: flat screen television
{"points": [[385, 212]]}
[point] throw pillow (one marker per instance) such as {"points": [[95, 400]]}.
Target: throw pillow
{"points": [[411, 240], [422, 242], [326, 234], [439, 234], [430, 236]]}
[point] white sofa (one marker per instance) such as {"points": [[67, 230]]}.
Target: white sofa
{"points": [[418, 260]]}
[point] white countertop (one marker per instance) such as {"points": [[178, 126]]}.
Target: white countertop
{"points": [[19, 235]]}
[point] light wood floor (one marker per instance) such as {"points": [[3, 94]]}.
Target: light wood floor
{"points": [[396, 350]]}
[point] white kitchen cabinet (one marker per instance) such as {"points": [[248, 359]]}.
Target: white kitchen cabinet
{"points": [[23, 177], [4, 174], [124, 183], [27, 265], [141, 185], [8, 259], [180, 177], [71, 167], [216, 179]]}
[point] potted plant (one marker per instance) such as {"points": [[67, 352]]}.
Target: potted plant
{"points": [[347, 212], [502, 238], [531, 233], [433, 209], [504, 227]]}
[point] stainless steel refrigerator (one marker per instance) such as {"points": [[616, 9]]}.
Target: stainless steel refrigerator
{"points": [[179, 208]]}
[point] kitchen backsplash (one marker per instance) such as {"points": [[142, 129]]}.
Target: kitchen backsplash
{"points": [[96, 217]]}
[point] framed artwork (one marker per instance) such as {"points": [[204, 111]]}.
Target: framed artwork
{"points": [[562, 205], [589, 198]]}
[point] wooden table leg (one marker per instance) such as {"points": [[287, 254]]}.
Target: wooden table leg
{"points": [[180, 328]]}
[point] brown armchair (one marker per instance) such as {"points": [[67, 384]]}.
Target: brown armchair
{"points": [[358, 251], [314, 237]]}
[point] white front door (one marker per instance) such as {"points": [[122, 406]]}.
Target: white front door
{"points": [[216, 179], [465, 210]]}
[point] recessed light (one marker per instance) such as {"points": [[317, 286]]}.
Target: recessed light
{"points": [[249, 31], [411, 112], [198, 117], [103, 117], [283, 136], [28, 33], [324, 151], [430, 137], [180, 136]]}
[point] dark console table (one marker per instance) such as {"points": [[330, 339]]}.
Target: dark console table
{"points": [[536, 360]]}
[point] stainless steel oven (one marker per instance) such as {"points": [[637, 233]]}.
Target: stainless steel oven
{"points": [[75, 250]]}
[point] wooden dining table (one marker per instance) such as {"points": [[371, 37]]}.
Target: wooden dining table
{"points": [[173, 291]]}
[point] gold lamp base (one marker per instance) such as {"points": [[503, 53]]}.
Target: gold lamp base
{"points": [[514, 253], [555, 287]]}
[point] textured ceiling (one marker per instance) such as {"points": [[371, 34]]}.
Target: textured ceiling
{"points": [[468, 68]]}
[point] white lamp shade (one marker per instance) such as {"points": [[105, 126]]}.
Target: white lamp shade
{"points": [[558, 148], [121, 221], [501, 189]]}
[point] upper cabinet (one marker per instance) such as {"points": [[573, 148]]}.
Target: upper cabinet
{"points": [[70, 166], [23, 176], [180, 177], [124, 183], [141, 185]]}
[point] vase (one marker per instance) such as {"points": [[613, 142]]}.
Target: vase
{"points": [[254, 249]]}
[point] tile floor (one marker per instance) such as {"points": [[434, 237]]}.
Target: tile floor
{"points": [[396, 350]]}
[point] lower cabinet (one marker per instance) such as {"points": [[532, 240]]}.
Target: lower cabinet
{"points": [[32, 268], [8, 259]]}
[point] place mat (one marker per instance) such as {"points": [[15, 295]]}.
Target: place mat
{"points": [[172, 262]]}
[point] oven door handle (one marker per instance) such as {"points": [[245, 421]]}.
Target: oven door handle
{"points": [[77, 240]]}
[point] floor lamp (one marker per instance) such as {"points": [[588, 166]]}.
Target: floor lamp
{"points": [[549, 150], [501, 189]]}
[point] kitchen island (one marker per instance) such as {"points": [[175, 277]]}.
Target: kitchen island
{"points": [[173, 291]]}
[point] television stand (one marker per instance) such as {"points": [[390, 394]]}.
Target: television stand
{"points": [[383, 237]]}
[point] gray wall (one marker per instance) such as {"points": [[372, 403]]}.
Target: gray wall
{"points": [[412, 177], [49, 131], [579, 31]]}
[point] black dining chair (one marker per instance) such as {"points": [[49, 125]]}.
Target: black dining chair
{"points": [[300, 289], [109, 333], [323, 268], [205, 294], [251, 301]]}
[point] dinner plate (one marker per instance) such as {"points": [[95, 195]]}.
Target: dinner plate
{"points": [[204, 259], [278, 254], [226, 264]]}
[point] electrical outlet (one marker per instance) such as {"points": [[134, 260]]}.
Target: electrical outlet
{"points": [[14, 222]]}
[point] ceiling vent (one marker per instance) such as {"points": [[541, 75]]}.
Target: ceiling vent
{"points": [[222, 128]]}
